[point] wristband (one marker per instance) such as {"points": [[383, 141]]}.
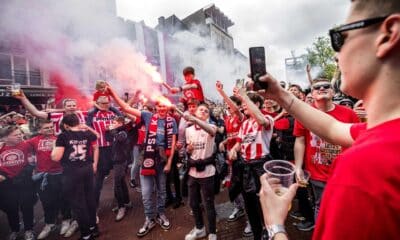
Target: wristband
{"points": [[275, 229]]}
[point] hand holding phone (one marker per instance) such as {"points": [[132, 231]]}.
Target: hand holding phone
{"points": [[257, 66]]}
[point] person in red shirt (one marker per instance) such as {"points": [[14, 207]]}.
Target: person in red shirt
{"points": [[361, 198], [16, 185], [48, 179], [315, 153], [192, 87]]}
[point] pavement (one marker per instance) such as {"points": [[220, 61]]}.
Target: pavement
{"points": [[182, 222]]}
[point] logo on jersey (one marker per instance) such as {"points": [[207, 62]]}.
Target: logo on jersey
{"points": [[46, 145], [148, 162], [11, 158]]}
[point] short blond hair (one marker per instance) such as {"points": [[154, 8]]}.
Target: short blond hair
{"points": [[99, 84]]}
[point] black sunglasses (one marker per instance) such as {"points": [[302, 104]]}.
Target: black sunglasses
{"points": [[324, 86], [337, 38]]}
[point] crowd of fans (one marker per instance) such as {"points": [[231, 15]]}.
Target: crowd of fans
{"points": [[62, 156]]}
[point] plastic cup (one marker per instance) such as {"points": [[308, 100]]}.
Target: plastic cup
{"points": [[16, 89], [282, 170]]}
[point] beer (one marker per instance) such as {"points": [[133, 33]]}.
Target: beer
{"points": [[16, 89]]}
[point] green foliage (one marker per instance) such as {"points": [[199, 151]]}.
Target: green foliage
{"points": [[322, 55]]}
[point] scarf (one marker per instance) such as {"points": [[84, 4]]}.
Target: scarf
{"points": [[150, 147]]}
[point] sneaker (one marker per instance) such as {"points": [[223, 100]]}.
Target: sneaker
{"points": [[163, 221], [212, 236], [64, 226], [138, 189], [297, 216], [72, 229], [247, 232], [13, 236], [94, 231], [196, 233], [147, 226], [46, 231], [236, 214], [120, 214], [29, 235], [305, 226], [132, 183]]}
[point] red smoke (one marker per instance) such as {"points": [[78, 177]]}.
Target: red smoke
{"points": [[65, 90]]}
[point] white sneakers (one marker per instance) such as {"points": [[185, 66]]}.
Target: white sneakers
{"points": [[247, 232], [236, 214], [29, 235], [212, 236], [196, 234], [46, 231], [72, 229], [64, 226], [120, 214]]}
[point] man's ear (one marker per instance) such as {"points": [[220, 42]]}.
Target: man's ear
{"points": [[389, 36]]}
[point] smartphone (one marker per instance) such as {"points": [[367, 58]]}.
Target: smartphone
{"points": [[239, 83], [257, 66]]}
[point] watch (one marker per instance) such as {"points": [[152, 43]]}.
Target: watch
{"points": [[274, 229]]}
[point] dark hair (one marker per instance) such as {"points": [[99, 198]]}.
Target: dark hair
{"points": [[42, 122], [4, 132], [296, 86], [256, 98], [236, 100], [71, 120], [205, 105], [188, 70], [192, 101], [377, 8]]}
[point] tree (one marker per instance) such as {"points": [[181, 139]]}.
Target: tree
{"points": [[322, 55]]}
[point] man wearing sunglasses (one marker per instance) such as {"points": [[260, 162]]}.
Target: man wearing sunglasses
{"points": [[315, 153], [361, 198]]}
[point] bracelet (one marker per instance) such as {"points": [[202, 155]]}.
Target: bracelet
{"points": [[290, 105]]}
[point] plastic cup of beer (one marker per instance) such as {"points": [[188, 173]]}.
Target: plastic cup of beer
{"points": [[304, 177], [282, 170], [16, 89]]}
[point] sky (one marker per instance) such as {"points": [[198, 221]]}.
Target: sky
{"points": [[281, 26]]}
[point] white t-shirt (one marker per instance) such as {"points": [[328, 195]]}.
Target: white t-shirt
{"points": [[204, 147]]}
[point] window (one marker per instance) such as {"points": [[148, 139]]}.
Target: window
{"points": [[20, 71], [5, 69]]}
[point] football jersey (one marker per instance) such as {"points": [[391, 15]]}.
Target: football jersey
{"points": [[255, 139], [56, 118]]}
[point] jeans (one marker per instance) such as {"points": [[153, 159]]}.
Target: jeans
{"points": [[120, 188], [18, 196], [103, 169], [154, 184], [53, 200], [79, 189], [173, 176], [318, 189], [136, 162], [206, 187]]}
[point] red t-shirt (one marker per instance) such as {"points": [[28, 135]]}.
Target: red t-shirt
{"points": [[42, 146], [319, 154], [98, 94], [14, 158], [232, 126], [362, 197], [196, 93]]}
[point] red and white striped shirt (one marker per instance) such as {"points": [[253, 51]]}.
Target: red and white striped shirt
{"points": [[255, 139], [56, 118], [101, 121]]}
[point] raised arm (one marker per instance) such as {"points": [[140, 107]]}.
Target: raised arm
{"points": [[30, 107], [124, 106], [308, 70], [227, 100], [209, 128], [311, 118], [253, 110]]}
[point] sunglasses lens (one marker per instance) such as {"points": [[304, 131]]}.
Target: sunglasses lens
{"points": [[324, 86], [336, 40]]}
